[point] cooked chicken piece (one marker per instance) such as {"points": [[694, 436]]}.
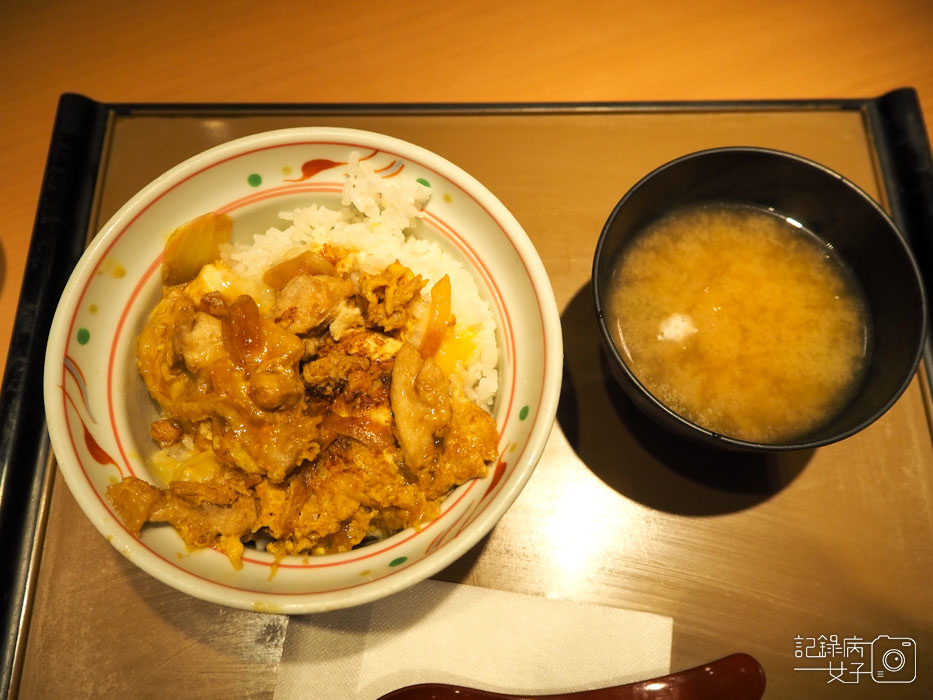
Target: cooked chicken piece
{"points": [[201, 342], [446, 439], [368, 430], [166, 432], [133, 500], [388, 296], [217, 513], [327, 375], [313, 504], [222, 488], [356, 370], [160, 365], [250, 391], [421, 406], [327, 506], [468, 443], [307, 302], [271, 390], [273, 443]]}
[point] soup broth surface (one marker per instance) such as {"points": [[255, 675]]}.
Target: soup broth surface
{"points": [[739, 321]]}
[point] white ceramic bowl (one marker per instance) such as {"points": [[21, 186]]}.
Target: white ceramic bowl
{"points": [[98, 410]]}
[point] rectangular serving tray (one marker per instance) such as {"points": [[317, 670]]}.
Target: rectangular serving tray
{"points": [[101, 153]]}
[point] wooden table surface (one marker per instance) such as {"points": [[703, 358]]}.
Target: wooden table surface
{"points": [[391, 52]]}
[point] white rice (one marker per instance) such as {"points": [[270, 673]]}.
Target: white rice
{"points": [[375, 221]]}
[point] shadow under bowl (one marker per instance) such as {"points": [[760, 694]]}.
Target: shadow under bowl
{"points": [[826, 204]]}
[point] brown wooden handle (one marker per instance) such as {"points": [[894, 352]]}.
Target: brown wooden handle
{"points": [[735, 677]]}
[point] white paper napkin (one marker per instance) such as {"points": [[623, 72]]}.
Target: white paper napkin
{"points": [[449, 633]]}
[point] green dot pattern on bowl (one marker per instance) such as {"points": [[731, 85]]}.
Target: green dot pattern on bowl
{"points": [[243, 179], [523, 414]]}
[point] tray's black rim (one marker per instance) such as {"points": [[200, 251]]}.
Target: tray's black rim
{"points": [[903, 150], [58, 239], [893, 120], [492, 108]]}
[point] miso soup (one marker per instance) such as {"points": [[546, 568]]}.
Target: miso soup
{"points": [[740, 321]]}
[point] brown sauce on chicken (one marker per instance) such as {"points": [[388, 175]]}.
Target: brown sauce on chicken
{"points": [[309, 422]]}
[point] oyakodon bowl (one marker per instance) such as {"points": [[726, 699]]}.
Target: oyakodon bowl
{"points": [[827, 205], [99, 411]]}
